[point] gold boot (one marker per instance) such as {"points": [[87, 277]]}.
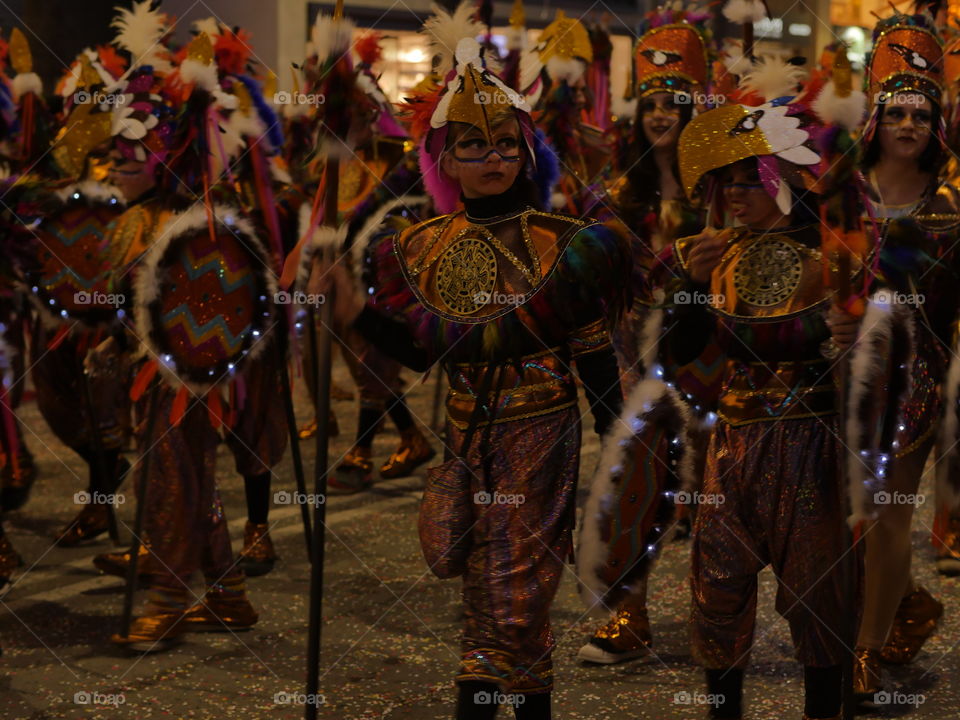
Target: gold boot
{"points": [[625, 637], [154, 631], [866, 674], [310, 429], [414, 451], [354, 473], [117, 563], [258, 556], [218, 612], [88, 524], [948, 553], [915, 621]]}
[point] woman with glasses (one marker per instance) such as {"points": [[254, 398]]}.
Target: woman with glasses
{"points": [[506, 298], [919, 220]]}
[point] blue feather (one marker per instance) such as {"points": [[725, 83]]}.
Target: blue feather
{"points": [[267, 114]]}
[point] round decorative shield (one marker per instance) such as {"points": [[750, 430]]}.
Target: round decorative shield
{"points": [[631, 503], [205, 299], [70, 278]]}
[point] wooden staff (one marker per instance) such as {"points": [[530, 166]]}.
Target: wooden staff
{"points": [[322, 346]]}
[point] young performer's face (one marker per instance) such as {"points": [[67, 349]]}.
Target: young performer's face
{"points": [[746, 197], [132, 177], [905, 126], [660, 118], [483, 169]]}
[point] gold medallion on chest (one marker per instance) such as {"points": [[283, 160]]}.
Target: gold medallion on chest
{"points": [[467, 275], [768, 273]]}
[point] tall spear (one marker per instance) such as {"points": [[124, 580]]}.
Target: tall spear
{"points": [[337, 79]]}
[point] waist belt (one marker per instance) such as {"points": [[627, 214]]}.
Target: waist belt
{"points": [[543, 384], [758, 392]]}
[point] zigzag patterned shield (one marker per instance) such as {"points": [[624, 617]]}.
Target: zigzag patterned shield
{"points": [[206, 299], [71, 279]]}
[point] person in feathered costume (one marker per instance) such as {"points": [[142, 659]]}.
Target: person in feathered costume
{"points": [[164, 147], [553, 81], [669, 73], [507, 297], [918, 213], [782, 287]]}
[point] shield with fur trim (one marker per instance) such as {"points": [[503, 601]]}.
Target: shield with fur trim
{"points": [[643, 465], [70, 277], [205, 297]]}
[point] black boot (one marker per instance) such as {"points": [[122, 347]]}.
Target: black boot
{"points": [[822, 691], [726, 685], [477, 700], [532, 707]]}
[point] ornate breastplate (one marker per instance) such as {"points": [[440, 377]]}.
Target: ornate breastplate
{"points": [[474, 272]]}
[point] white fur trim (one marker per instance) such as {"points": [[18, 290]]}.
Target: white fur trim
{"points": [[209, 25], [331, 38], [847, 112], [362, 238], [744, 11], [648, 343], [868, 367], [25, 83], [326, 240], [146, 286], [530, 67], [645, 397], [93, 191], [569, 69]]}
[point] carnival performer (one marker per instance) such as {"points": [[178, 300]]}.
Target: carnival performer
{"points": [[773, 465], [670, 68], [919, 220], [506, 297], [161, 135]]}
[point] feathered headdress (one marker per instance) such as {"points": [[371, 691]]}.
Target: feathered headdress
{"points": [[444, 30], [562, 53]]}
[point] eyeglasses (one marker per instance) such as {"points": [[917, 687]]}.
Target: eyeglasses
{"points": [[477, 150]]}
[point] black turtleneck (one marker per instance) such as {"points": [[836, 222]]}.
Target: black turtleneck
{"points": [[491, 206]]}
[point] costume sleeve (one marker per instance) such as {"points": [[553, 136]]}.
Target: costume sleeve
{"points": [[597, 367], [391, 337]]}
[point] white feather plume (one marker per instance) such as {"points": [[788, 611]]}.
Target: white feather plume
{"points": [[847, 112], [444, 30], [772, 77], [25, 83], [744, 11], [331, 38], [140, 31]]}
